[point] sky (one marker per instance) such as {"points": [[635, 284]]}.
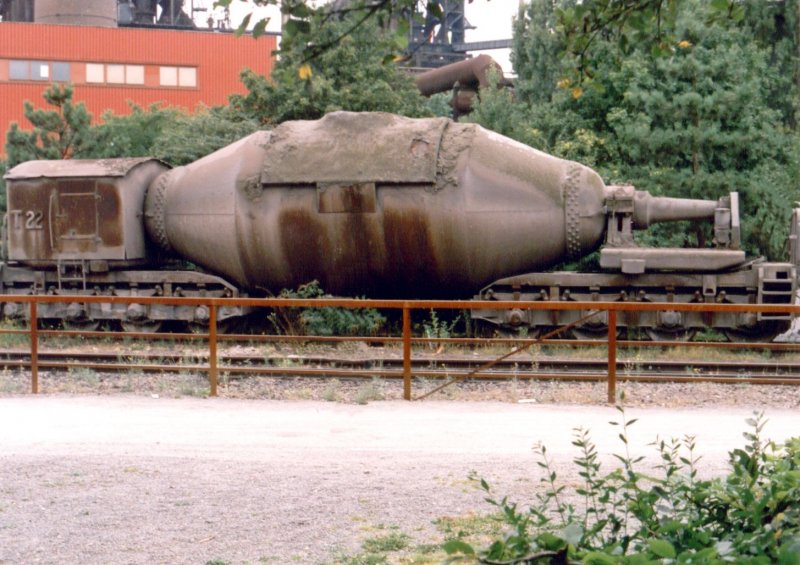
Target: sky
{"points": [[491, 18]]}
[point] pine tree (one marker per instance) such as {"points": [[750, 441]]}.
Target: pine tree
{"points": [[699, 124], [59, 133], [715, 115]]}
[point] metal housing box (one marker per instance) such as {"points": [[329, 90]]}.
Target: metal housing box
{"points": [[76, 210]]}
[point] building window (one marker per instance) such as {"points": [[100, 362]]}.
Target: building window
{"points": [[101, 73], [187, 76], [178, 76], [134, 74], [61, 72], [168, 76], [38, 70], [19, 70], [95, 72], [115, 74]]}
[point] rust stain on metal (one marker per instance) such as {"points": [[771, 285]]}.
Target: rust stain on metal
{"points": [[109, 213], [356, 198], [305, 243]]}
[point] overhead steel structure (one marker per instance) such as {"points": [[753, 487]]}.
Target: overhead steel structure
{"points": [[440, 39]]}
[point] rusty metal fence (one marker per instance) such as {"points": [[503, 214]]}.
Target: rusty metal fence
{"points": [[405, 307]]}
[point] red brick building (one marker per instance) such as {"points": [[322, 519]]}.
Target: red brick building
{"points": [[108, 66]]}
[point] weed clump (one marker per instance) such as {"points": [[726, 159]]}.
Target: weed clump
{"points": [[323, 321], [752, 515], [370, 391]]}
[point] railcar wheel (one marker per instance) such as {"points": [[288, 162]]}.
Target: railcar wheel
{"points": [[223, 327], [591, 333], [144, 326], [86, 325], [503, 332], [761, 332], [593, 329], [670, 334]]}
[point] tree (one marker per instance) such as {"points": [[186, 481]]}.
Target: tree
{"points": [[133, 134], [775, 27], [537, 52], [171, 134], [351, 75], [543, 111], [192, 136], [700, 124], [60, 133], [711, 117], [304, 18], [579, 23]]}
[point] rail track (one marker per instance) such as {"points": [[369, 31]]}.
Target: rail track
{"points": [[524, 366]]}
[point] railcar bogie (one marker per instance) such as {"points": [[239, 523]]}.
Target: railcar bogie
{"points": [[759, 282]]}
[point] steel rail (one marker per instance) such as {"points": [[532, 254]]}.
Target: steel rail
{"points": [[420, 360], [571, 370], [241, 372], [239, 337]]}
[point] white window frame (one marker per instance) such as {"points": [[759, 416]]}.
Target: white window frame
{"points": [[115, 73], [187, 77], [91, 73], [168, 76], [134, 74]]}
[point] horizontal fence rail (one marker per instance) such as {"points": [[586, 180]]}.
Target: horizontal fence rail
{"points": [[404, 306]]}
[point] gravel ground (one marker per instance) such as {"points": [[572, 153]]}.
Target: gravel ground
{"points": [[154, 474], [364, 390]]}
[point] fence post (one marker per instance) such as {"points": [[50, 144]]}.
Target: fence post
{"points": [[34, 350], [612, 356], [406, 353], [212, 350]]}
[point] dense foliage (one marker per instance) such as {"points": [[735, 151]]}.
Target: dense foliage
{"points": [[323, 321], [716, 113], [627, 516], [58, 133], [356, 74]]}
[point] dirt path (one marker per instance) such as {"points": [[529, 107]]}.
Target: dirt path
{"points": [[126, 479]]}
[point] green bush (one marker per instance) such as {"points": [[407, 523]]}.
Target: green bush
{"points": [[628, 517], [323, 321]]}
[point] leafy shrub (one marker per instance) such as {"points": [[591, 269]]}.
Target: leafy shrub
{"points": [[323, 321], [436, 328], [750, 516]]}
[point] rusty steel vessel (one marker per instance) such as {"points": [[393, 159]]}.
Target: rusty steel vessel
{"points": [[377, 205]]}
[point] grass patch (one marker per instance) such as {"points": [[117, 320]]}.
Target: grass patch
{"points": [[84, 376], [193, 390], [15, 382], [394, 541], [13, 340], [332, 391], [472, 526], [394, 547], [368, 392]]}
